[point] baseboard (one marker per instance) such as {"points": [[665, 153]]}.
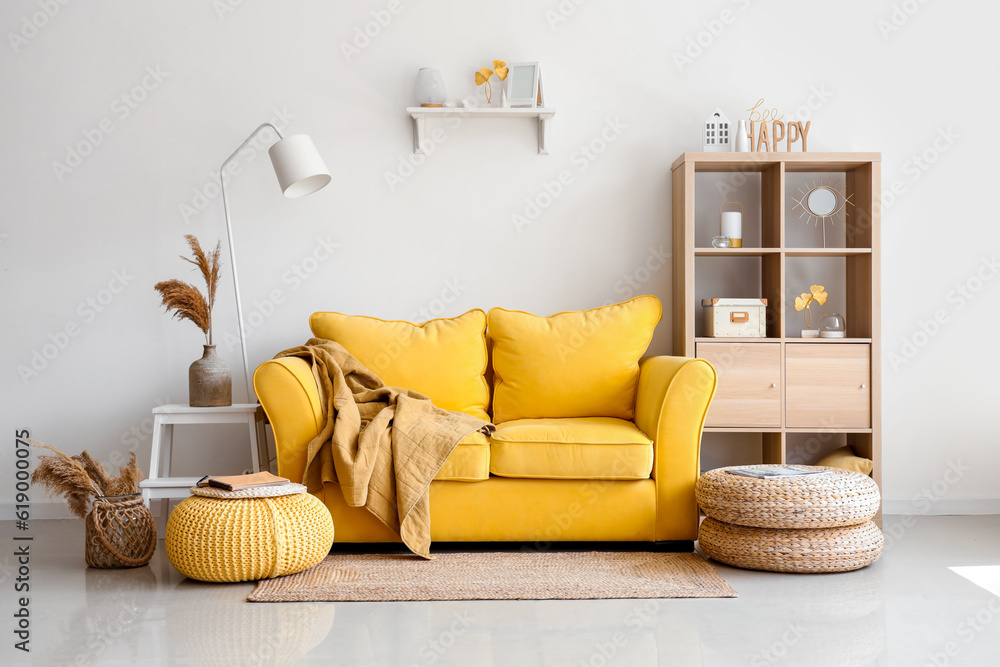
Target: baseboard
{"points": [[941, 506], [51, 510]]}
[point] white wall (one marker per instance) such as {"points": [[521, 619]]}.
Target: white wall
{"points": [[450, 222]]}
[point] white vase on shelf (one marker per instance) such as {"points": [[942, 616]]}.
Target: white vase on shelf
{"points": [[430, 89], [741, 139]]}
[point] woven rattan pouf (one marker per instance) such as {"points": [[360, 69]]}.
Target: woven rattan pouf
{"points": [[838, 549], [815, 523], [247, 535]]}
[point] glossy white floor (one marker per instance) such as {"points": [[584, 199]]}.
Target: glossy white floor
{"points": [[931, 600]]}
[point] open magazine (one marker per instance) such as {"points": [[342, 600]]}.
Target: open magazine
{"points": [[775, 471]]}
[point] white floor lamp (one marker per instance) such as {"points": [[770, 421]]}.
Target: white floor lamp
{"points": [[300, 171]]}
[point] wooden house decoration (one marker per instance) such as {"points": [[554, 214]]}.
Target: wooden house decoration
{"points": [[717, 132]]}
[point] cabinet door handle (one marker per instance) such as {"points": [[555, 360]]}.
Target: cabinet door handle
{"points": [[775, 384], [864, 386]]}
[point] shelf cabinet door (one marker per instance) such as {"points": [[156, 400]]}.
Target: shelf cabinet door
{"points": [[749, 393], [828, 385]]}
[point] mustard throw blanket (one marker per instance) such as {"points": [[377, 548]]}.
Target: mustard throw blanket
{"points": [[382, 445]]}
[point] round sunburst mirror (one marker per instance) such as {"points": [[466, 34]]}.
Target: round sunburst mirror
{"points": [[821, 203]]}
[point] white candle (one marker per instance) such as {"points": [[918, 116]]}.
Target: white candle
{"points": [[732, 224]]}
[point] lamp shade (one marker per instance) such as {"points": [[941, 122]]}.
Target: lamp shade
{"points": [[298, 166]]}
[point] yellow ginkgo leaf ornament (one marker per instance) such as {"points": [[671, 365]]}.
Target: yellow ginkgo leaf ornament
{"points": [[484, 74], [816, 294]]}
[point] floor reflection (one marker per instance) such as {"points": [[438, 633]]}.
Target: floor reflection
{"points": [[821, 620], [907, 608], [211, 624]]}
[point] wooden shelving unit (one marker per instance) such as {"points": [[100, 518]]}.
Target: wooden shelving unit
{"points": [[784, 384]]}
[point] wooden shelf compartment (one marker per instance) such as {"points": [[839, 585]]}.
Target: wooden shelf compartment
{"points": [[767, 282], [846, 277]]}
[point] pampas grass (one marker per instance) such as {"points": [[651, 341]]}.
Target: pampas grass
{"points": [[186, 300], [81, 478]]}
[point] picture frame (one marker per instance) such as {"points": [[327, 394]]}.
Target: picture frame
{"points": [[522, 85]]}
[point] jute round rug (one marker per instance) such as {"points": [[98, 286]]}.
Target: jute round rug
{"points": [[499, 576]]}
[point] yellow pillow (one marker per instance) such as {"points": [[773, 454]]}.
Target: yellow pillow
{"points": [[444, 359], [845, 459], [574, 364]]}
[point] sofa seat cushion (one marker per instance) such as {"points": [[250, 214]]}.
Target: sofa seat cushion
{"points": [[572, 448], [470, 462]]}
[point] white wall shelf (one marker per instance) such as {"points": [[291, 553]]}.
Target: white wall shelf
{"points": [[420, 114]]}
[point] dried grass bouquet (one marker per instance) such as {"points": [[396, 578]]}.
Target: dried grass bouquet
{"points": [[186, 300], [81, 478]]}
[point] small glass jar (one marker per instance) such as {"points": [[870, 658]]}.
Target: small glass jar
{"points": [[720, 241], [833, 326]]}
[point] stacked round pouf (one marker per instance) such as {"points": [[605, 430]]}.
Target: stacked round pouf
{"points": [[246, 535], [813, 523]]}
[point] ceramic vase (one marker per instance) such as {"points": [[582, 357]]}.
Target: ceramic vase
{"points": [[741, 140], [210, 382], [430, 89]]}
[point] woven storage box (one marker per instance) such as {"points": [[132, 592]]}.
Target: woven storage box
{"points": [[241, 536], [838, 549], [840, 498]]}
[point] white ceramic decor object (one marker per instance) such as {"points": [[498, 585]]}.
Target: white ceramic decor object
{"points": [[741, 140], [430, 88], [731, 224], [716, 134]]}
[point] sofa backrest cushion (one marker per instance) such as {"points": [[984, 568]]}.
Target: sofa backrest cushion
{"points": [[572, 364], [444, 359]]}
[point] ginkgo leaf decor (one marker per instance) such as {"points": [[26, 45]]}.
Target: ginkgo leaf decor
{"points": [[816, 294], [484, 75]]}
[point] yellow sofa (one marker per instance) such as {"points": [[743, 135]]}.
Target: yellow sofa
{"points": [[566, 463]]}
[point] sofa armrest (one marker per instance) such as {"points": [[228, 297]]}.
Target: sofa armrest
{"points": [[672, 400], [289, 395]]}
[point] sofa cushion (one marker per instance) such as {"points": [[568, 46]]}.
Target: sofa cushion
{"points": [[580, 448], [845, 459], [572, 364], [444, 359], [470, 462]]}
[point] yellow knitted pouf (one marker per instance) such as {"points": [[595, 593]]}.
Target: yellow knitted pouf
{"points": [[230, 537]]}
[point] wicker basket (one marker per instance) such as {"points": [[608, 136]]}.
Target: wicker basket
{"points": [[838, 549], [120, 532], [839, 498]]}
